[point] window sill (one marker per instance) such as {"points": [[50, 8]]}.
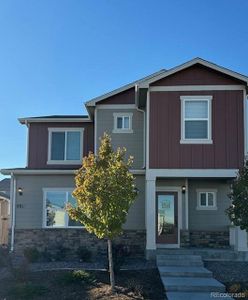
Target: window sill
{"points": [[60, 227], [122, 131], [196, 141], [206, 208], [64, 162]]}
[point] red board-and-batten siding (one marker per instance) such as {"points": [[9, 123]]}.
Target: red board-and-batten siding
{"points": [[227, 150], [125, 97], [38, 143]]}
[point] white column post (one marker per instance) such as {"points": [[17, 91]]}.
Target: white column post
{"points": [[187, 204], [150, 218], [240, 240], [232, 230]]}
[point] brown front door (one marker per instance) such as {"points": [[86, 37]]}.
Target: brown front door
{"points": [[167, 218]]}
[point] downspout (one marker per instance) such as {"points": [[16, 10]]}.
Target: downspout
{"points": [[13, 211], [144, 127]]}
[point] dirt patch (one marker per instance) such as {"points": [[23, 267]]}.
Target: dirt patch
{"points": [[52, 285]]}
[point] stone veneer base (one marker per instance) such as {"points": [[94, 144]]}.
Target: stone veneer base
{"points": [[204, 239], [52, 240]]}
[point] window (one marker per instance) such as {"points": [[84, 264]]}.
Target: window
{"points": [[196, 119], [55, 214], [65, 145], [123, 123], [206, 199]]}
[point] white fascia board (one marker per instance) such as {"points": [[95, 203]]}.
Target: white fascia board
{"points": [[52, 172], [52, 120], [36, 172], [152, 174], [185, 88], [190, 63]]}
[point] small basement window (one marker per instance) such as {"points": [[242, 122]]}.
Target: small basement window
{"points": [[122, 123], [206, 200]]}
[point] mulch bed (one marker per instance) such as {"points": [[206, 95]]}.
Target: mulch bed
{"points": [[50, 285], [234, 275]]}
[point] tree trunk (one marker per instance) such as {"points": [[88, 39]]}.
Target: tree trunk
{"points": [[111, 266]]}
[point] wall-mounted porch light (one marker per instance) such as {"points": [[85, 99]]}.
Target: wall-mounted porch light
{"points": [[183, 189], [20, 191], [136, 190]]}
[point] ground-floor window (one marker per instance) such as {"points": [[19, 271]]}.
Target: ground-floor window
{"points": [[55, 214], [206, 199]]}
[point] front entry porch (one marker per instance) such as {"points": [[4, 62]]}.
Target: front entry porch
{"points": [[189, 213]]}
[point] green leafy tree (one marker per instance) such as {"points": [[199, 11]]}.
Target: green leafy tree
{"points": [[238, 211], [105, 190]]}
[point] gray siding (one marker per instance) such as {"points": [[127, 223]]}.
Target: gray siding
{"points": [[133, 142], [29, 206], [136, 215], [209, 219]]}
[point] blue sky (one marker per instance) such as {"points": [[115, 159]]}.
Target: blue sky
{"points": [[56, 54]]}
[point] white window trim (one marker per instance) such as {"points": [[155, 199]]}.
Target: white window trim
{"points": [[209, 119], [118, 130], [45, 191], [202, 207], [64, 129]]}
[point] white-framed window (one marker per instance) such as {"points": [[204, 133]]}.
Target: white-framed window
{"points": [[122, 123], [196, 120], [207, 199], [54, 208], [65, 145]]}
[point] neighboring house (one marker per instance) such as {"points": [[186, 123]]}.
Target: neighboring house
{"points": [[185, 128], [4, 210]]}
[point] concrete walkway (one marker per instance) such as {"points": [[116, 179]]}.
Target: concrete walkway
{"points": [[185, 278]]}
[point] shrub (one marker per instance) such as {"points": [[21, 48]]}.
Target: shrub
{"points": [[27, 291], [60, 253], [84, 254], [46, 256], [4, 256], [77, 277], [235, 288], [31, 254], [21, 274], [135, 287], [120, 252]]}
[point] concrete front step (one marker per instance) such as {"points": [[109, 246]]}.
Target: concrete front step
{"points": [[179, 257], [178, 262], [193, 296], [184, 271], [206, 254], [192, 284]]}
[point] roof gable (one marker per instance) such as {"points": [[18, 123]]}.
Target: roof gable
{"points": [[197, 74], [195, 61], [125, 97]]}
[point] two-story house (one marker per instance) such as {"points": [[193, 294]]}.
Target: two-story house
{"points": [[185, 127]]}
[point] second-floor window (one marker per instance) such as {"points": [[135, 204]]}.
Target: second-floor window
{"points": [[122, 123], [65, 145], [196, 119]]}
